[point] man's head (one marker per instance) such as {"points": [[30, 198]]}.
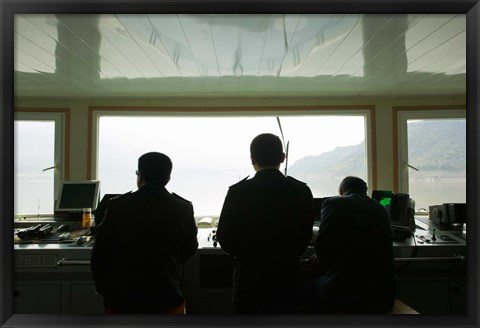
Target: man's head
{"points": [[266, 150], [154, 168], [352, 185]]}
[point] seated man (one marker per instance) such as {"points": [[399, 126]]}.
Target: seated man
{"points": [[354, 255], [142, 244], [266, 224]]}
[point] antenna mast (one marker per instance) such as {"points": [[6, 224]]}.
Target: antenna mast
{"points": [[284, 146]]}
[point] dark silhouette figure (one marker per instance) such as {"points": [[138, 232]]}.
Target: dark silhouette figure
{"points": [[266, 224], [354, 266], [142, 244]]}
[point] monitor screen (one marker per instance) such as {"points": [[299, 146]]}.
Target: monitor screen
{"points": [[74, 196], [384, 197]]}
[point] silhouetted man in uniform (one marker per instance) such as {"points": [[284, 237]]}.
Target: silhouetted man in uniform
{"points": [[354, 254], [142, 244], [266, 224]]}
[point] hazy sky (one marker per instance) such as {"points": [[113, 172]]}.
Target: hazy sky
{"points": [[225, 139]]}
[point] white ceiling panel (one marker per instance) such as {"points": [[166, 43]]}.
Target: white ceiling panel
{"points": [[349, 46], [445, 54], [239, 55]]}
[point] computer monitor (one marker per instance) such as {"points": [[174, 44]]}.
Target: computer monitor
{"points": [[74, 196], [400, 207], [384, 197]]}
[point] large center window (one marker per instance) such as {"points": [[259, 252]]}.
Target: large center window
{"points": [[211, 153]]}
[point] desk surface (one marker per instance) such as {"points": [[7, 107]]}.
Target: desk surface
{"points": [[446, 243]]}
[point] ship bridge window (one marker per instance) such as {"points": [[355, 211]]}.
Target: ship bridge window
{"points": [[432, 156], [210, 153], [37, 162]]}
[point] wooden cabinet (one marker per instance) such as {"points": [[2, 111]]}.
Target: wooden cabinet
{"points": [[38, 298], [61, 297]]}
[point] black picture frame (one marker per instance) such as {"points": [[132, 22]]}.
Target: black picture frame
{"points": [[8, 8]]}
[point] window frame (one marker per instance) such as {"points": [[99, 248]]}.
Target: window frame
{"points": [[368, 112], [60, 117], [402, 115]]}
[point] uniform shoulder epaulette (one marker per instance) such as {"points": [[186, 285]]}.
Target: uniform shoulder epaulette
{"points": [[120, 196], [293, 179], [181, 198], [240, 182]]}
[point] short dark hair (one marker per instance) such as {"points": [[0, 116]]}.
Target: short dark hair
{"points": [[155, 167], [354, 185], [267, 149]]}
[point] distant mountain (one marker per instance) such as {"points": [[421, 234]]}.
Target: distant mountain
{"points": [[335, 164], [428, 153]]}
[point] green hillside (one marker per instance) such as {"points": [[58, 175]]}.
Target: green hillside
{"points": [[342, 161], [445, 154]]}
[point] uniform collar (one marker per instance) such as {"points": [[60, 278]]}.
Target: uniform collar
{"points": [[153, 187], [269, 171], [352, 193]]}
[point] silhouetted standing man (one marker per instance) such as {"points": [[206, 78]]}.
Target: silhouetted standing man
{"points": [[142, 244], [266, 225]]}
